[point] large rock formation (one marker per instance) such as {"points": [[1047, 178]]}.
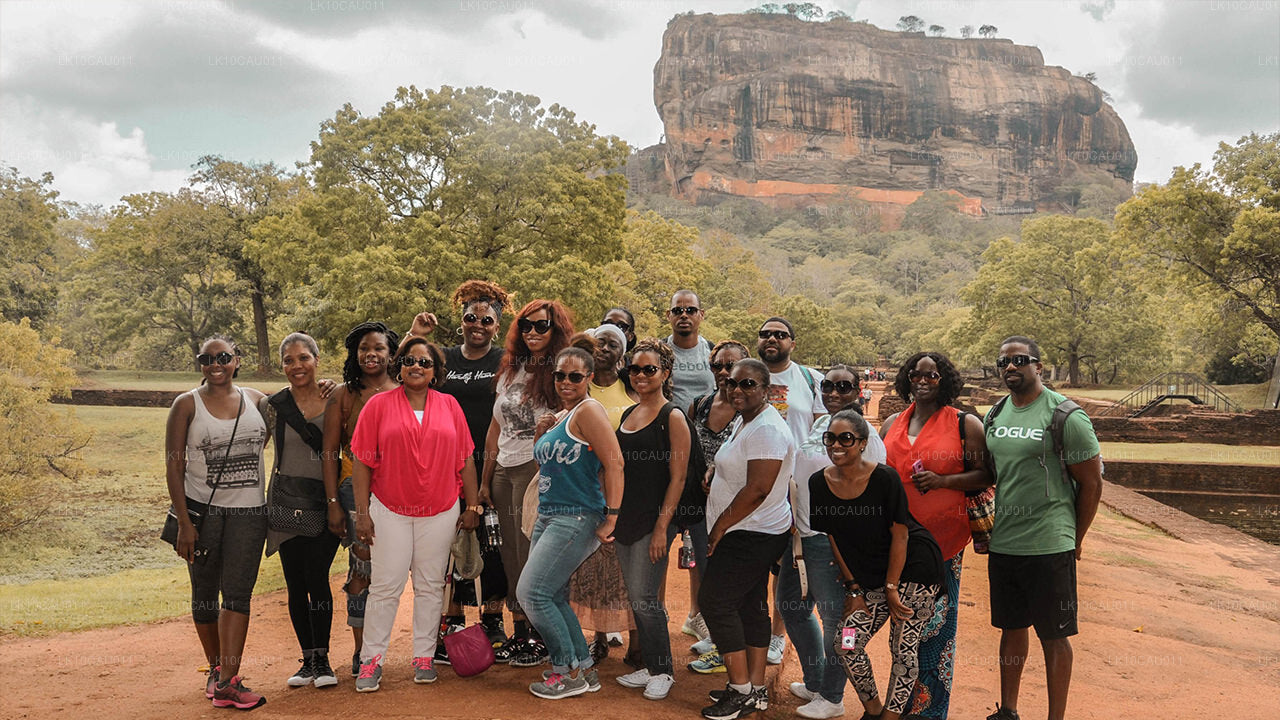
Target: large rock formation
{"points": [[770, 106]]}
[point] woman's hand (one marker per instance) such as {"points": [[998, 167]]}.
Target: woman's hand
{"points": [[468, 520], [927, 480], [706, 479], [897, 610], [327, 386], [658, 546], [604, 531], [855, 604], [337, 520], [485, 495], [424, 323], [545, 423], [364, 528], [713, 539], [186, 543]]}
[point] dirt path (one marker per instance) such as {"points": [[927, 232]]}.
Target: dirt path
{"points": [[1170, 629]]}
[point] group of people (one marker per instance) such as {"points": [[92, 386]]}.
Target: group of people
{"points": [[597, 450]]}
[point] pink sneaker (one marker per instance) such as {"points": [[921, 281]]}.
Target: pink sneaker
{"points": [[235, 694], [211, 683]]}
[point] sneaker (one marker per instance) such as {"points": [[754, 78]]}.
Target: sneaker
{"points": [[637, 679], [592, 677], [799, 690], [702, 647], [709, 663], [658, 686], [615, 638], [504, 652], [759, 699], [423, 673], [235, 694], [494, 630], [305, 675], [323, 673], [355, 664], [370, 677], [1003, 713], [696, 627], [820, 708], [732, 705], [531, 653], [777, 646], [599, 650], [558, 686], [211, 683], [441, 656]]}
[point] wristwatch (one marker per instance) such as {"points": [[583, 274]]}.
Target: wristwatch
{"points": [[333, 500], [611, 511], [891, 586], [477, 509]]}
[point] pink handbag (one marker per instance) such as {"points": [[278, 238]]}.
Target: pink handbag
{"points": [[470, 652]]}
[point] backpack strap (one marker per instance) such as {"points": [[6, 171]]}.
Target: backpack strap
{"points": [[964, 452], [987, 424], [1058, 432], [808, 377]]}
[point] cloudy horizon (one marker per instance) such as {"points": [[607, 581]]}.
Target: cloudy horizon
{"points": [[122, 96]]}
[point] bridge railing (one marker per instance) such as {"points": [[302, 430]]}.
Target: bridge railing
{"points": [[1171, 385]]}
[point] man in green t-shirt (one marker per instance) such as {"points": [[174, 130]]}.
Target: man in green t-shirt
{"points": [[1040, 521]]}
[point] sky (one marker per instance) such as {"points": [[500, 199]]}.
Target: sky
{"points": [[122, 96]]}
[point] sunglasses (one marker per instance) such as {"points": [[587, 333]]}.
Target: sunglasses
{"points": [[222, 358], [542, 327], [775, 334], [410, 361], [932, 377], [686, 310], [646, 370], [1016, 361], [573, 377], [718, 366], [621, 325], [744, 383], [845, 439], [471, 319], [844, 386]]}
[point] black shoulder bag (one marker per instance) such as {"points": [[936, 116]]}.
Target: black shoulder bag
{"points": [[295, 505], [196, 511]]}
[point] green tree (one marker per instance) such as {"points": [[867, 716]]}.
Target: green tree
{"points": [[1066, 284], [910, 23], [937, 30], [41, 443], [988, 31], [966, 31], [32, 250]]}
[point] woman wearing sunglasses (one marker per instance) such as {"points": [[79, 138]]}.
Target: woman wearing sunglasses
{"points": [[525, 391], [413, 462], [654, 438], [471, 369], [711, 418], [938, 458], [749, 521], [890, 564], [213, 449], [579, 490]]}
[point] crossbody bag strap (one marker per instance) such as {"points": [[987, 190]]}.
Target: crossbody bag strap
{"points": [[218, 478]]}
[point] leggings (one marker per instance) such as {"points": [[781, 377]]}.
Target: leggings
{"points": [[904, 643], [234, 537], [306, 562]]}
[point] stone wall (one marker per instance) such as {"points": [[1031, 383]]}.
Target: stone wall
{"points": [[1191, 476], [120, 398], [1255, 427]]}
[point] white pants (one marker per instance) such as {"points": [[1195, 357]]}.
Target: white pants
{"points": [[402, 544]]}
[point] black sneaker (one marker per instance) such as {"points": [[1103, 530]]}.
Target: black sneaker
{"points": [[305, 675], [494, 629], [442, 654], [531, 653], [733, 705], [599, 651], [1003, 714], [504, 652], [355, 664], [324, 676], [760, 699]]}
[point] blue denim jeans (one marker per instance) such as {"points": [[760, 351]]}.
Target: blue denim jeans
{"points": [[559, 545], [643, 579], [814, 643]]}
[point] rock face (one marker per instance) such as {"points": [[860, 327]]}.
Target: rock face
{"points": [[770, 106]]}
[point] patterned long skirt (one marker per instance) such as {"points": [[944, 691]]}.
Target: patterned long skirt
{"points": [[932, 695]]}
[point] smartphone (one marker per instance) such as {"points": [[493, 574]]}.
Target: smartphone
{"points": [[917, 467], [848, 638]]}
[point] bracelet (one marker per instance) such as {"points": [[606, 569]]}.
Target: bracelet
{"points": [[612, 511], [891, 586], [853, 593], [477, 509], [333, 500]]}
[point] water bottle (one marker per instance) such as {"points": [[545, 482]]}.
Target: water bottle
{"points": [[687, 560], [492, 530]]}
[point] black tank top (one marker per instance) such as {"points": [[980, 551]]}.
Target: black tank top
{"points": [[646, 454]]}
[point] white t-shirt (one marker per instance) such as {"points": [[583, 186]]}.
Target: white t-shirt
{"points": [[516, 418], [790, 395], [764, 438], [812, 457]]}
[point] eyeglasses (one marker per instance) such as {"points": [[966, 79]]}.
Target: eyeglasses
{"points": [[775, 334], [472, 319], [846, 439], [620, 324], [744, 383], [932, 377], [686, 309], [222, 358], [844, 386], [1016, 361], [718, 366], [573, 377], [542, 327], [646, 370], [410, 361]]}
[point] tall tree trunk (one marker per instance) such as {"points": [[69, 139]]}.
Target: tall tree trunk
{"points": [[260, 331], [1073, 367], [195, 350], [1273, 393]]}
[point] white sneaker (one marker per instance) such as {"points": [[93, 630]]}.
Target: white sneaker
{"points": [[702, 647], [695, 627], [637, 679], [820, 707], [614, 638], [777, 646], [658, 686], [799, 690]]}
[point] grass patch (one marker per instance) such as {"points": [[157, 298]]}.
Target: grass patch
{"points": [[1262, 455], [1127, 560]]}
